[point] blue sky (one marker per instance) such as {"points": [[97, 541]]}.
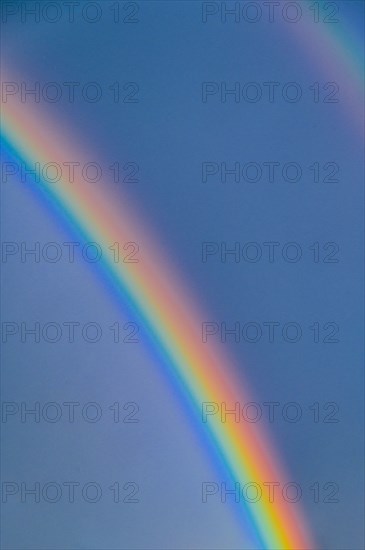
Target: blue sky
{"points": [[170, 133]]}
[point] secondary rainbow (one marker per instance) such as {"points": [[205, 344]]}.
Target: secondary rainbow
{"points": [[153, 289], [328, 42]]}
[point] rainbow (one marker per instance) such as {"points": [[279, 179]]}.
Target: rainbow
{"points": [[158, 298], [153, 291], [335, 49]]}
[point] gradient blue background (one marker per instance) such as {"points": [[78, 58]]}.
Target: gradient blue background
{"points": [[169, 133]]}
